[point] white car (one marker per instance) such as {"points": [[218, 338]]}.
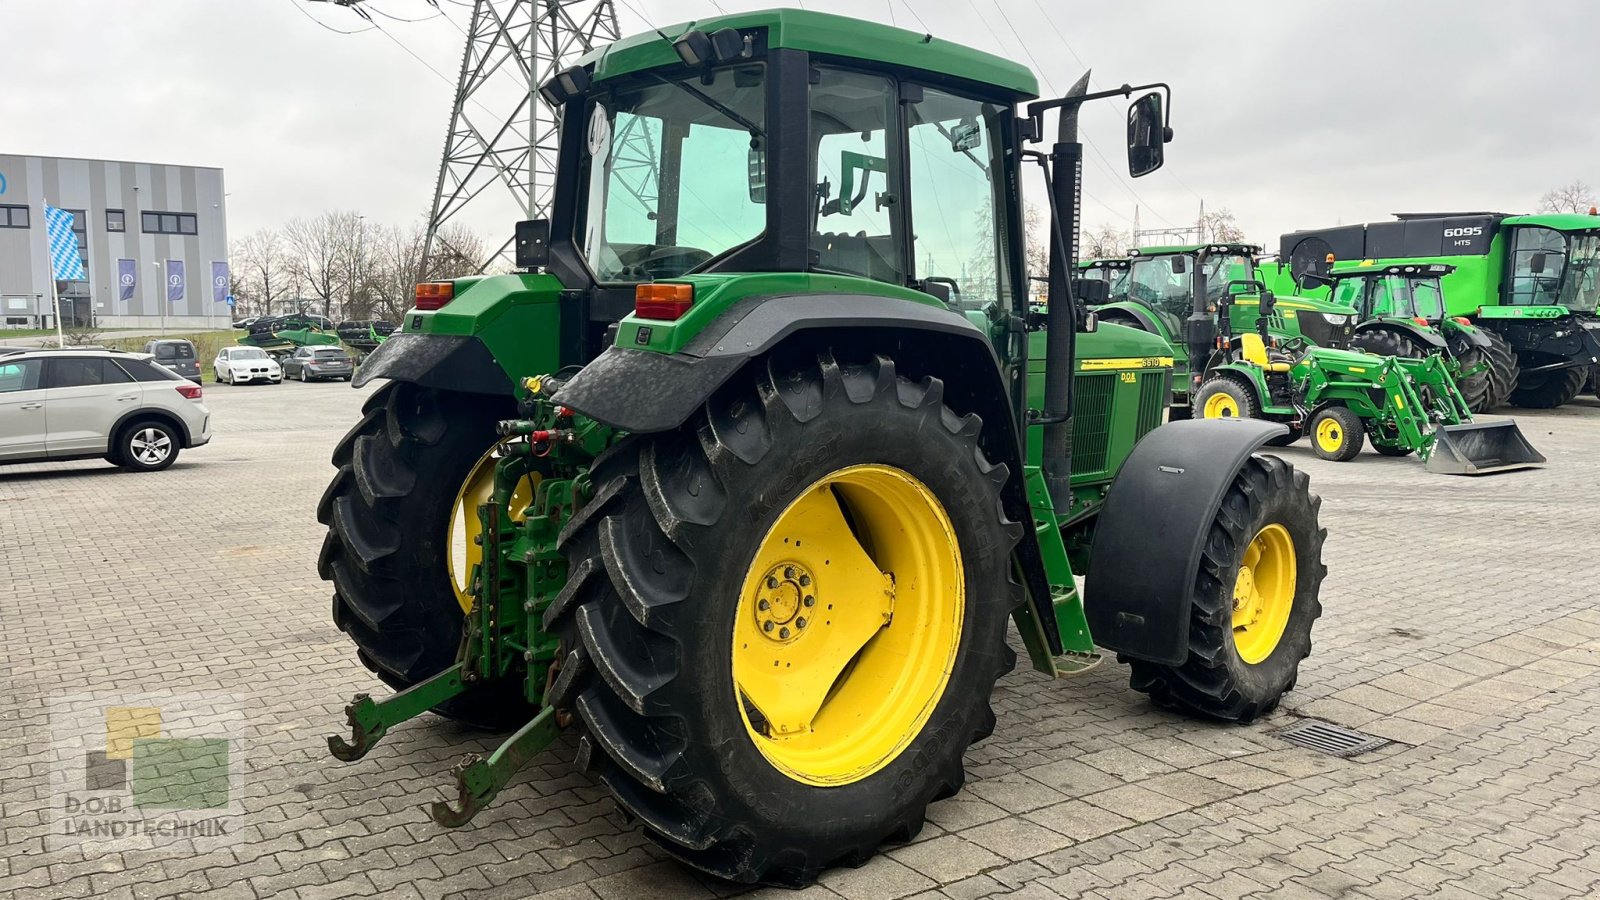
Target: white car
{"points": [[81, 404], [243, 365]]}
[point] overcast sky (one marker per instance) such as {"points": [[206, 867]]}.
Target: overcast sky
{"points": [[1292, 115]]}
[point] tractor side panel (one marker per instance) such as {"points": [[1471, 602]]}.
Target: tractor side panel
{"points": [[1147, 542]]}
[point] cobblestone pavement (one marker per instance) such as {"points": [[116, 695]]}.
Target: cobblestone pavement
{"points": [[1460, 622]]}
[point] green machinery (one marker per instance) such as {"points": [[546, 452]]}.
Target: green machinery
{"points": [[1338, 398], [364, 336], [280, 335], [742, 476], [1402, 313], [1531, 282], [1157, 288]]}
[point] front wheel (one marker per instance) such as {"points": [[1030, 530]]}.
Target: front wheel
{"points": [[785, 619], [1336, 433], [1548, 390], [1255, 599], [1222, 397], [148, 445]]}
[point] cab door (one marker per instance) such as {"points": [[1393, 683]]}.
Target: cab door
{"points": [[22, 417], [84, 397]]}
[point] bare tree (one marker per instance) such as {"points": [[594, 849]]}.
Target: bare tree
{"points": [[1576, 197], [319, 254], [261, 272], [1101, 241], [396, 264], [1219, 226]]}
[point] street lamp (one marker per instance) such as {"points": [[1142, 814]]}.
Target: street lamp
{"points": [[161, 300]]}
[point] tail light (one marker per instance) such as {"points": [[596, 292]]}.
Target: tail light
{"points": [[1463, 320], [1419, 320], [662, 301], [189, 391], [434, 294]]}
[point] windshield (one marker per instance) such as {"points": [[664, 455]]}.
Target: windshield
{"points": [[673, 176], [1581, 288], [1397, 295], [250, 353], [1222, 269], [1152, 281]]}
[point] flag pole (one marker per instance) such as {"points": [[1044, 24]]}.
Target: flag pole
{"points": [[50, 264], [55, 300]]}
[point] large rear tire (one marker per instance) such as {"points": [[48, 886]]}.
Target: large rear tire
{"points": [[1548, 390], [1503, 370], [1255, 600], [684, 582], [388, 512]]}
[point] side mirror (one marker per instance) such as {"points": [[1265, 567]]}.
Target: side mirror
{"points": [[1147, 135], [1091, 322], [1269, 302], [757, 168], [533, 243], [1180, 263], [1536, 263]]}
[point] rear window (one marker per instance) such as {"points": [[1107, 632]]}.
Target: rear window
{"points": [[145, 370], [174, 351], [330, 354]]}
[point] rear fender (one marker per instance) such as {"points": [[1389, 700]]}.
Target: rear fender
{"points": [[1137, 312], [1422, 335], [1146, 552], [922, 340]]}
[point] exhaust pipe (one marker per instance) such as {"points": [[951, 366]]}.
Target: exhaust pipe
{"points": [[1480, 448]]}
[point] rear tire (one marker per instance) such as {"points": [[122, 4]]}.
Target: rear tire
{"points": [[1215, 681], [660, 561], [1222, 397], [1548, 390], [388, 515], [1504, 370], [146, 445], [1387, 449], [1336, 433]]}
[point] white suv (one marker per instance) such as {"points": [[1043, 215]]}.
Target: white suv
{"points": [[242, 365], [80, 404]]}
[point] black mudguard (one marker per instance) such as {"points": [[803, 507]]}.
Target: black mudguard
{"points": [[643, 392], [1462, 338], [1425, 337], [447, 362], [1150, 532]]}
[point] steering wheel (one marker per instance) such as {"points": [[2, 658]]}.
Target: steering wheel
{"points": [[1294, 346], [693, 256]]}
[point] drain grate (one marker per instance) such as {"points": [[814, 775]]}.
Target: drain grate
{"points": [[1334, 740]]}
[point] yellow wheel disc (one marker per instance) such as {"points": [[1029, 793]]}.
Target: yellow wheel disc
{"points": [[1221, 406], [848, 623], [1263, 595], [466, 527], [1330, 435]]}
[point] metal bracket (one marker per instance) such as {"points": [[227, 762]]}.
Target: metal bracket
{"points": [[370, 720], [479, 779]]}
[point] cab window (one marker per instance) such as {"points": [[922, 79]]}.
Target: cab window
{"points": [[1538, 255], [854, 230], [955, 151], [1349, 292], [22, 375]]}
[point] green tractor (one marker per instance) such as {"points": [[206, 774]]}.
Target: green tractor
{"points": [[1531, 282], [1400, 404], [1402, 313], [1156, 291], [725, 481]]}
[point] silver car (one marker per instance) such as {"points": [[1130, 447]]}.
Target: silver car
{"points": [[82, 404], [318, 363]]}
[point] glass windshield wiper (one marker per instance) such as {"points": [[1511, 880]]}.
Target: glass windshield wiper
{"points": [[708, 100]]}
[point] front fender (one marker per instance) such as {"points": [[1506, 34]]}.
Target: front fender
{"points": [[1156, 518]]}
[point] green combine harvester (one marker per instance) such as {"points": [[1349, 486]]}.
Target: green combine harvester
{"points": [[1157, 289], [1339, 398], [728, 482], [279, 336], [1530, 282]]}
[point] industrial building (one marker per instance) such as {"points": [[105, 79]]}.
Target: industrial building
{"points": [[153, 237]]}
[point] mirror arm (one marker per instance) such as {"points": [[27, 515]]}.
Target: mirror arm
{"points": [[1037, 109]]}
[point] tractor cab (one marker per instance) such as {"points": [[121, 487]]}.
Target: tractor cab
{"points": [[1411, 292]]}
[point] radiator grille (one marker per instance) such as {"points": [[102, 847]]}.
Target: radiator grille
{"points": [[1152, 400], [1091, 421]]}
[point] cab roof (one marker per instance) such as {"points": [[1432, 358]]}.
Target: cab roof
{"points": [[824, 33], [1175, 249], [1558, 221]]}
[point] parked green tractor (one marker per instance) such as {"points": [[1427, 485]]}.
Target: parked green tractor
{"points": [[1156, 291], [1531, 282], [1402, 313], [1400, 405], [728, 483]]}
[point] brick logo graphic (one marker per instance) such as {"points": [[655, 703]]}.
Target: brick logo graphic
{"points": [[132, 773]]}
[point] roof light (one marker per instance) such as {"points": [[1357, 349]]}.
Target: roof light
{"points": [[1419, 320], [663, 301], [434, 294], [1330, 258], [568, 84], [694, 48]]}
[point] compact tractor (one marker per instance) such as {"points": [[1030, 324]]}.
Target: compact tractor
{"points": [[1160, 286], [1398, 403], [726, 482], [1530, 282], [1401, 309]]}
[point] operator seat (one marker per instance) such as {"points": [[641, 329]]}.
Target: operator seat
{"points": [[1255, 353]]}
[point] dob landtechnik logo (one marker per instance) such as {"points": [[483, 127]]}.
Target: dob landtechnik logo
{"points": [[143, 774]]}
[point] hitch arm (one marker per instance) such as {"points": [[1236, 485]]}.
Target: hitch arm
{"points": [[479, 779], [370, 720]]}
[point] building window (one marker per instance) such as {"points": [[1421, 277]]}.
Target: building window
{"points": [[168, 223], [115, 220], [13, 217], [80, 230]]}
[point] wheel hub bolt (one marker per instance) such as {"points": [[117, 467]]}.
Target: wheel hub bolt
{"points": [[800, 622], [783, 633], [788, 572], [809, 600], [772, 582], [767, 626]]}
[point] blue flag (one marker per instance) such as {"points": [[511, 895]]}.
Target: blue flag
{"points": [[127, 279], [219, 282], [64, 259], [174, 280]]}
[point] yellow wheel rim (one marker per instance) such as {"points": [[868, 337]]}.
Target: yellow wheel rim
{"points": [[1330, 435], [1263, 595], [466, 528], [848, 623], [1221, 406]]}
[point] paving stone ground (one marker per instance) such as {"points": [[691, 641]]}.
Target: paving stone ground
{"points": [[1460, 622]]}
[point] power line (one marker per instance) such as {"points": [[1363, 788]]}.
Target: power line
{"points": [[307, 13]]}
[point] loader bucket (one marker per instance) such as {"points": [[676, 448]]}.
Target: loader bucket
{"points": [[1478, 448]]}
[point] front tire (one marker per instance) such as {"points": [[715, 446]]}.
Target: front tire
{"points": [[685, 581], [1255, 600], [388, 512], [1336, 433], [147, 445], [1548, 390], [1222, 397]]}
